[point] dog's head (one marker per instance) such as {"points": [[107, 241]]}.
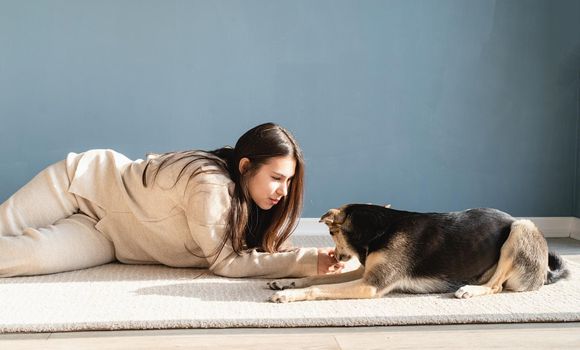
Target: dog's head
{"points": [[352, 227], [335, 219]]}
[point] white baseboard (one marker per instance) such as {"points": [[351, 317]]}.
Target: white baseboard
{"points": [[553, 227], [575, 228]]}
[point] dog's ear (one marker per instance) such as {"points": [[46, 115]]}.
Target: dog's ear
{"points": [[333, 217], [388, 206]]}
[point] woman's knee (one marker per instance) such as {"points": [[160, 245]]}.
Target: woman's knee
{"points": [[20, 256]]}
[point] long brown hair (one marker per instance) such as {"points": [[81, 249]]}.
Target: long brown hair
{"points": [[247, 225]]}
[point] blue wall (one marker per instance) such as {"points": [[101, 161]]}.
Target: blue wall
{"points": [[428, 105], [566, 38]]}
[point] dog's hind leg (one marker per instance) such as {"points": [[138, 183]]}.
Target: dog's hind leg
{"points": [[520, 263], [531, 261]]}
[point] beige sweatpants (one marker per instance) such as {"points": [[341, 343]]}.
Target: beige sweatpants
{"points": [[46, 229]]}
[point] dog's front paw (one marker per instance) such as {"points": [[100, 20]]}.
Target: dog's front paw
{"points": [[282, 284], [279, 297], [286, 296]]}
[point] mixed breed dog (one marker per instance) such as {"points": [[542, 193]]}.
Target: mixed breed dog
{"points": [[472, 253]]}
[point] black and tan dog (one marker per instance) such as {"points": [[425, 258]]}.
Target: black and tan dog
{"points": [[473, 252]]}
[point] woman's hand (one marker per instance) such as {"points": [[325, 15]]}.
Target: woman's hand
{"points": [[327, 263]]}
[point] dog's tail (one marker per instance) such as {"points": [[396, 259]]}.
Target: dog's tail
{"points": [[558, 269]]}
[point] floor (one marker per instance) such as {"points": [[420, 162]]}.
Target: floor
{"points": [[497, 336]]}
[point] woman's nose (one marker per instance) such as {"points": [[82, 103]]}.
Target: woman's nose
{"points": [[282, 190]]}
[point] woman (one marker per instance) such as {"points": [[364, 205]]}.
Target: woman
{"points": [[229, 210]]}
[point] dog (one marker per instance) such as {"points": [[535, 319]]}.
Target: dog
{"points": [[473, 253]]}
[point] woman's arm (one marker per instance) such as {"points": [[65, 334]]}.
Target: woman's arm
{"points": [[207, 206], [298, 263]]}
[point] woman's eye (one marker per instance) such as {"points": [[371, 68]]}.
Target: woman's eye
{"points": [[276, 178]]}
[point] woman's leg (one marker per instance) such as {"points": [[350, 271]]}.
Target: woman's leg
{"points": [[42, 231], [39, 203], [69, 244]]}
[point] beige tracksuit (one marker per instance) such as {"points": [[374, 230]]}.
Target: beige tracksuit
{"points": [[92, 208]]}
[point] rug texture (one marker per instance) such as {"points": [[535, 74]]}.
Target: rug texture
{"points": [[116, 296]]}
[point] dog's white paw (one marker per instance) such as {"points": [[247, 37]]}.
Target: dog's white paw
{"points": [[282, 284], [280, 297], [287, 296], [470, 291]]}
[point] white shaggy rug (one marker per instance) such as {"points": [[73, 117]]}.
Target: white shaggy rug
{"points": [[116, 296]]}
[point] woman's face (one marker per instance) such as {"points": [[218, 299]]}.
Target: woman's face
{"points": [[271, 181]]}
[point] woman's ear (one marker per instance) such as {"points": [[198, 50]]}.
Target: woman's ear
{"points": [[243, 165]]}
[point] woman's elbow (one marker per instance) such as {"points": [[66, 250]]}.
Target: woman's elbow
{"points": [[226, 270]]}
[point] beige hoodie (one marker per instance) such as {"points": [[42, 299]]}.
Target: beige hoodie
{"points": [[166, 221]]}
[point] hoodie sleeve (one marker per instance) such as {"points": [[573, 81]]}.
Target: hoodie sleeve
{"points": [[207, 207]]}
